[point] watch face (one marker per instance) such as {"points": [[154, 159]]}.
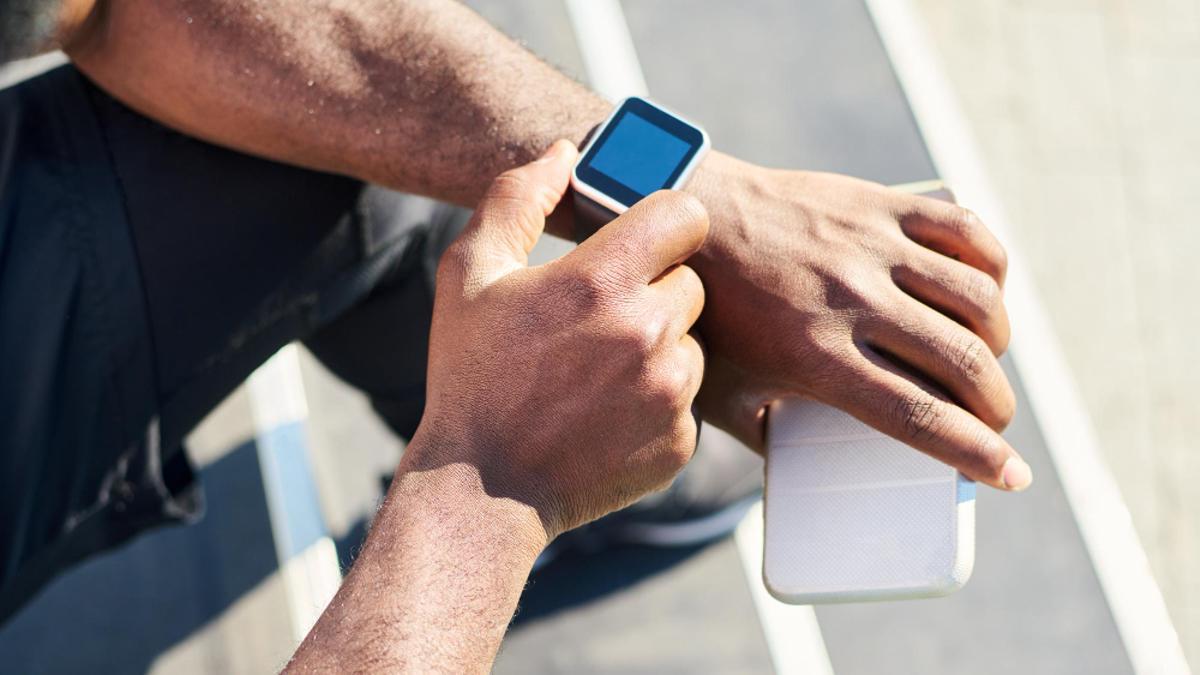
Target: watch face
{"points": [[642, 149]]}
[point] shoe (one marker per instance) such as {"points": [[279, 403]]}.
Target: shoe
{"points": [[704, 503]]}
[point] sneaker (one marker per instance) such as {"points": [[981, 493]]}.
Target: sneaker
{"points": [[705, 503]]}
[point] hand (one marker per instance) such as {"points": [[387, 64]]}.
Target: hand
{"points": [[566, 386], [556, 394], [884, 304]]}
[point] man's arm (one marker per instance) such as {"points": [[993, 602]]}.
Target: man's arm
{"points": [[423, 96], [436, 583], [556, 394], [886, 305]]}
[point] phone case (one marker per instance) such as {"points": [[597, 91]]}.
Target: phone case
{"points": [[853, 515]]}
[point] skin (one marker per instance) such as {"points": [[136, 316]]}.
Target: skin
{"points": [[513, 449], [884, 304]]}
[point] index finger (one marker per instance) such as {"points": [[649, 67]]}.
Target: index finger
{"points": [[892, 401], [660, 231]]}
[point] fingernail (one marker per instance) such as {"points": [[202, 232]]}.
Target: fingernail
{"points": [[1016, 474]]}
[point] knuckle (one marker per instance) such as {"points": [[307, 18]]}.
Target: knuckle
{"points": [[1001, 402], [982, 450], [1007, 409], [665, 387], [682, 450], [642, 337], [692, 292], [821, 351], [585, 290], [685, 207], [1000, 256], [920, 416], [1001, 338], [983, 292], [692, 283], [659, 397], [679, 385], [690, 209], [683, 445], [968, 225], [963, 221], [971, 357], [850, 292], [511, 184]]}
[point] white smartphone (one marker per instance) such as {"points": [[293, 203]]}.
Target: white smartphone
{"points": [[854, 515]]}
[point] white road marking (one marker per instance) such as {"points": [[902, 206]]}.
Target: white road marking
{"points": [[610, 58], [16, 71], [1103, 518], [792, 633], [310, 574], [607, 48]]}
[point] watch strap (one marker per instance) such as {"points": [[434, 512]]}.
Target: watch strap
{"points": [[590, 216]]}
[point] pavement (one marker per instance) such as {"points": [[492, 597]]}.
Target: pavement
{"points": [[208, 598], [1086, 116]]}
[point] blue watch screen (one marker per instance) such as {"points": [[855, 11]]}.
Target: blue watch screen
{"points": [[639, 155], [643, 149]]}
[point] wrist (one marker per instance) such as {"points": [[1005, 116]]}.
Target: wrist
{"points": [[434, 483], [437, 580], [725, 185]]}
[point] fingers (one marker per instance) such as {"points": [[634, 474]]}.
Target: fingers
{"points": [[959, 291], [689, 358], [681, 293], [657, 233], [956, 232], [680, 350], [890, 400], [674, 378], [949, 355], [512, 214]]}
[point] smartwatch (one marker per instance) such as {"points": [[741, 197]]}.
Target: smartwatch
{"points": [[642, 147]]}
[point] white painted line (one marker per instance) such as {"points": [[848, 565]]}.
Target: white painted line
{"points": [[610, 58], [308, 558], [792, 633], [16, 71], [277, 391], [606, 46], [1108, 533]]}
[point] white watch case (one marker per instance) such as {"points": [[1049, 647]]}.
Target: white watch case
{"points": [[608, 202]]}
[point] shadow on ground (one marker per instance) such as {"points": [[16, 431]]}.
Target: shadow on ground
{"points": [[120, 611], [576, 577]]}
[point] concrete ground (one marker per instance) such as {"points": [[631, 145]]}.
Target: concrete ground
{"points": [[1087, 115]]}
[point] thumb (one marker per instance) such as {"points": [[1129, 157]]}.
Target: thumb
{"points": [[655, 234], [512, 214]]}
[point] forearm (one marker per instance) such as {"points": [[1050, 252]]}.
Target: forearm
{"points": [[422, 96], [436, 583], [817, 285], [517, 443]]}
